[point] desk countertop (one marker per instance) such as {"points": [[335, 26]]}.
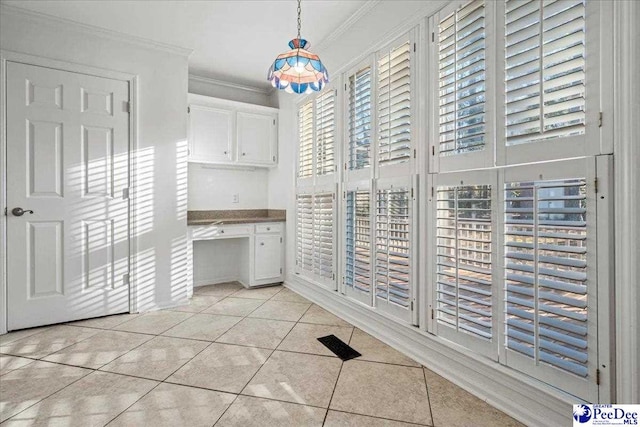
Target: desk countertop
{"points": [[239, 216]]}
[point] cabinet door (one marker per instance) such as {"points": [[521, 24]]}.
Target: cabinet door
{"points": [[211, 134], [268, 257], [256, 138]]}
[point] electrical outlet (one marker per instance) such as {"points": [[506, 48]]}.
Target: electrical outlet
{"points": [[236, 198]]}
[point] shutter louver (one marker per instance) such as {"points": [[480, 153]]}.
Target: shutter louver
{"points": [[393, 246], [305, 133], [360, 119], [464, 269], [546, 272], [358, 240], [304, 231], [394, 106], [325, 133], [461, 68], [323, 235], [545, 69]]}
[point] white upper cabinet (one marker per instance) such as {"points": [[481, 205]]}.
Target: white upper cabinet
{"points": [[232, 133], [211, 134], [256, 138]]}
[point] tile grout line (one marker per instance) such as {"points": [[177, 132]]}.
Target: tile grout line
{"points": [[48, 396], [326, 414], [245, 386], [137, 400], [380, 418], [159, 381], [426, 386]]}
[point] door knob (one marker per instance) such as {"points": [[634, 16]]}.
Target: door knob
{"points": [[20, 211]]}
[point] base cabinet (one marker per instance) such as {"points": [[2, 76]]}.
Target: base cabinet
{"points": [[259, 250], [268, 257]]}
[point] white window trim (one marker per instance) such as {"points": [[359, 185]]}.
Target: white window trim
{"points": [[476, 159], [583, 167], [488, 348], [598, 88]]}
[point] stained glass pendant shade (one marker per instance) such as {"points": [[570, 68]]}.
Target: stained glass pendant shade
{"points": [[298, 70]]}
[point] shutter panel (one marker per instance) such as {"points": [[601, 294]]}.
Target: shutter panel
{"points": [[394, 106], [304, 232], [393, 238], [305, 134], [325, 133], [461, 89], [360, 119], [464, 269], [358, 240], [323, 235], [546, 272], [545, 69]]}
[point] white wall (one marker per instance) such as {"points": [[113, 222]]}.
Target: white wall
{"points": [[212, 188], [221, 260], [210, 87], [162, 131]]}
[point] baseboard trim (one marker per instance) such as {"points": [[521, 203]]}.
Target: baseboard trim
{"points": [[524, 398]]}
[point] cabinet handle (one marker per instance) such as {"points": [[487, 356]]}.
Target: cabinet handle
{"points": [[225, 152], [261, 243], [244, 154], [268, 228], [221, 231]]}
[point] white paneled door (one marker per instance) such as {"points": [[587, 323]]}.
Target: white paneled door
{"points": [[68, 216]]}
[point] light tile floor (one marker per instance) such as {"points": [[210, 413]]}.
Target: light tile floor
{"points": [[233, 357]]}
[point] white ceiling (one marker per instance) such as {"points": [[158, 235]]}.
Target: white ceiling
{"points": [[235, 41]]}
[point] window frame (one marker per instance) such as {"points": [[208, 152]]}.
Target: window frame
{"points": [[475, 159], [410, 315], [487, 348], [598, 96], [588, 388]]}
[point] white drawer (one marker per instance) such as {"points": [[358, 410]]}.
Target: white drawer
{"points": [[204, 232], [275, 227]]}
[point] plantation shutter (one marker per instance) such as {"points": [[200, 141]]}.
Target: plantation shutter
{"points": [[462, 86], [464, 265], [358, 241], [325, 133], [304, 232], [545, 69], [394, 105], [359, 144], [546, 272], [323, 235], [305, 135], [393, 250]]}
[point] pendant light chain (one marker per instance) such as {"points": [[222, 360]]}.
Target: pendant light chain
{"points": [[299, 12]]}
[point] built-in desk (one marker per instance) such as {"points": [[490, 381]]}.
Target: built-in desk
{"points": [[243, 248]]}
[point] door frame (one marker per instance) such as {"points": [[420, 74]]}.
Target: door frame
{"points": [[133, 80]]}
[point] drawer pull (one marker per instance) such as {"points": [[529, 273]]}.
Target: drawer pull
{"points": [[261, 243], [221, 231], [268, 228]]}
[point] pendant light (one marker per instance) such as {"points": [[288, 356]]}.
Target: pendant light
{"points": [[298, 70]]}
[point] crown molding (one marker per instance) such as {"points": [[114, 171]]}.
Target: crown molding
{"points": [[208, 80], [94, 30], [348, 23]]}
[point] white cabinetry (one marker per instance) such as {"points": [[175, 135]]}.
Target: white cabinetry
{"points": [[260, 249], [232, 133], [268, 265], [211, 135], [256, 138]]}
